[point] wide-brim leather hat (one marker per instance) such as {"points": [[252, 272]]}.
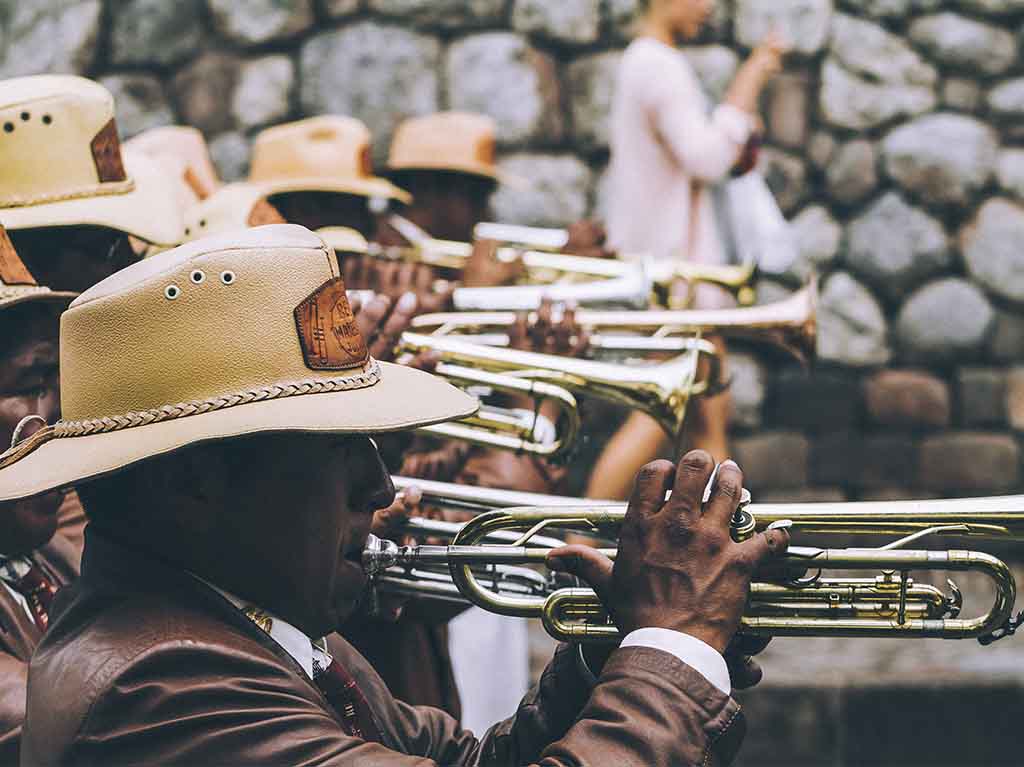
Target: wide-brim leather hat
{"points": [[238, 334], [329, 153], [185, 149], [18, 286], [234, 206], [63, 165], [460, 142]]}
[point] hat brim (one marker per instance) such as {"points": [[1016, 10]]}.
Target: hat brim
{"points": [[370, 187], [59, 298], [404, 398], [481, 170], [150, 211]]}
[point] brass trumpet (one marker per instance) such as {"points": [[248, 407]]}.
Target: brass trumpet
{"points": [[559, 276], [789, 325], [662, 391], [888, 603]]}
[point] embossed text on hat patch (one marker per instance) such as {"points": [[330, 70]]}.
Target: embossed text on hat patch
{"points": [[327, 328], [106, 154], [12, 269]]}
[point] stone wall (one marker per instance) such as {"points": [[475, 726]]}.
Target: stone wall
{"points": [[895, 144]]}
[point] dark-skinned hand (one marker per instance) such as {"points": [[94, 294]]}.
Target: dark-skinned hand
{"points": [[382, 322], [553, 330], [677, 566], [588, 238], [485, 270]]}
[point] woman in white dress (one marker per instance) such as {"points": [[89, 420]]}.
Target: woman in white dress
{"points": [[666, 148]]}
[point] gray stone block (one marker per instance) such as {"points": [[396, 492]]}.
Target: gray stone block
{"points": [[397, 76], [821, 401], [896, 247], [786, 175], [970, 462], [260, 21], [852, 328], [443, 14], [56, 36], [204, 90], [527, 106], [1007, 341], [264, 93], [944, 158], [961, 42], [715, 66], [818, 239], [859, 103], [1010, 171], [949, 320], [961, 93], [230, 153], [568, 21], [591, 86], [154, 31], [803, 23], [788, 97], [852, 173], [557, 193], [981, 393], [991, 248], [748, 390], [140, 103]]}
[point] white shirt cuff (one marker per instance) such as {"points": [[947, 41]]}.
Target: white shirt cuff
{"points": [[698, 655], [734, 122]]}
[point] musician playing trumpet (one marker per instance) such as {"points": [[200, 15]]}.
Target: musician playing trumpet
{"points": [[665, 152], [226, 539]]}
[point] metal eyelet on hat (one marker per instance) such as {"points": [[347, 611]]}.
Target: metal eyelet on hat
{"points": [[171, 292], [227, 277], [198, 276]]}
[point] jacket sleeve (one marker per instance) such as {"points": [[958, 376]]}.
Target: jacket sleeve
{"points": [[13, 684], [706, 147]]}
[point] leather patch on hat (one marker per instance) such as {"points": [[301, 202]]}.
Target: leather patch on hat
{"points": [[106, 154], [12, 269], [485, 150], [264, 213], [328, 332], [193, 182]]}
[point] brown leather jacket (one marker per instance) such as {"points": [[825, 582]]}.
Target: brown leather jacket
{"points": [[19, 636], [143, 664]]}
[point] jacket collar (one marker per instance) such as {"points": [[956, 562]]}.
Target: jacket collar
{"points": [[111, 566]]}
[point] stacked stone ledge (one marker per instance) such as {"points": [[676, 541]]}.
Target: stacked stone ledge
{"points": [[895, 145]]}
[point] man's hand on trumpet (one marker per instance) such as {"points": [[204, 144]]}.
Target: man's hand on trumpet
{"points": [[554, 331], [677, 566]]}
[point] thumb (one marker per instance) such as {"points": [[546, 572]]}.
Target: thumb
{"points": [[586, 563]]}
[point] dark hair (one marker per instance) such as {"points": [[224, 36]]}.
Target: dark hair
{"points": [[425, 181], [15, 319]]}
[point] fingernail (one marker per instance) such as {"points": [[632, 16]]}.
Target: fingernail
{"points": [[413, 496], [730, 464], [407, 302]]}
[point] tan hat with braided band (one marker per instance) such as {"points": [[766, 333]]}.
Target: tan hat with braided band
{"points": [[185, 148], [320, 154], [456, 141], [61, 163], [17, 285], [235, 206], [241, 333]]}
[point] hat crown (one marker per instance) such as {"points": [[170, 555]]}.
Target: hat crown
{"points": [[186, 148], [208, 323], [328, 146], [457, 141], [58, 141]]}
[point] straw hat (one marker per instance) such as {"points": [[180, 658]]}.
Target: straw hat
{"points": [[17, 285], [235, 206], [454, 141], [186, 148], [321, 154], [62, 163], [237, 334]]}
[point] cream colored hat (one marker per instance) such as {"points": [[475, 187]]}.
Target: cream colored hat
{"points": [[455, 141], [235, 206], [246, 332], [186, 148], [320, 154], [17, 285], [61, 163]]}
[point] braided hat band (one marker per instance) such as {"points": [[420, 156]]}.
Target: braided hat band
{"points": [[63, 429]]}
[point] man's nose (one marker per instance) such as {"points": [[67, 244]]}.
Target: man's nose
{"points": [[375, 490]]}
